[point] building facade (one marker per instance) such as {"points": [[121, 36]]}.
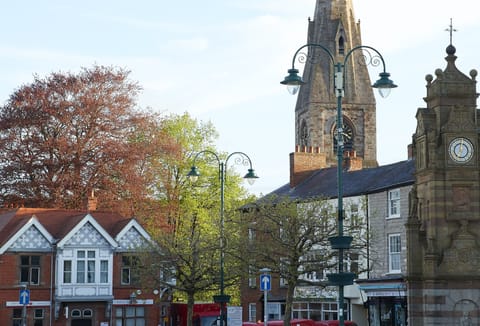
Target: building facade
{"points": [[74, 268], [379, 198], [443, 227], [384, 286], [379, 297]]}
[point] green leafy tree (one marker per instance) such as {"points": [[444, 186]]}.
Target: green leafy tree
{"points": [[186, 227]]}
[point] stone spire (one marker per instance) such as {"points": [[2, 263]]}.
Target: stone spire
{"points": [[335, 28]]}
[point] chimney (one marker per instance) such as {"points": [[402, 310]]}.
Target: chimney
{"points": [[411, 155], [351, 162], [303, 162], [92, 202]]}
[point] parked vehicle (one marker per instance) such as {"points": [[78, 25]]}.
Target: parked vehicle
{"points": [[333, 323], [204, 314], [301, 322], [293, 322]]}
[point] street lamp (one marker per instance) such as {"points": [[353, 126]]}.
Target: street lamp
{"points": [[384, 85], [194, 173]]}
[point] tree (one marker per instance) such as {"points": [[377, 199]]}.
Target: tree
{"points": [[292, 239], [68, 136], [186, 227]]}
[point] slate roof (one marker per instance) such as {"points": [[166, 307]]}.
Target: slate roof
{"points": [[58, 222], [323, 183]]}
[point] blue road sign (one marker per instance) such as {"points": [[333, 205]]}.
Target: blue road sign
{"points": [[24, 296], [265, 282]]}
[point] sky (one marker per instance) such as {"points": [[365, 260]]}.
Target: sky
{"points": [[222, 61]]}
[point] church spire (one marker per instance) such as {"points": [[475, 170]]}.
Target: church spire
{"points": [[334, 27]]}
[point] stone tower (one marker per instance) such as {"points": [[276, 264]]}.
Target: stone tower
{"points": [[443, 230], [335, 28]]}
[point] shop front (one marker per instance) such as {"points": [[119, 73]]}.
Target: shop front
{"points": [[386, 301]]}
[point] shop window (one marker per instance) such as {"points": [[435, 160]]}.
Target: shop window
{"points": [[38, 317], [130, 315], [17, 317]]}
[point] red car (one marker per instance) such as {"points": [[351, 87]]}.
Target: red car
{"points": [[333, 323], [293, 322]]}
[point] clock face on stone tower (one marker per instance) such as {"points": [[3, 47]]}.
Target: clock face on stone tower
{"points": [[460, 150], [347, 134]]}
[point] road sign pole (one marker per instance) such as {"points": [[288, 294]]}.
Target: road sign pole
{"points": [[24, 299], [265, 306], [24, 315], [265, 285]]}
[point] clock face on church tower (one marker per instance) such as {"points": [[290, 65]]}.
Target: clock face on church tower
{"points": [[347, 136], [460, 150]]}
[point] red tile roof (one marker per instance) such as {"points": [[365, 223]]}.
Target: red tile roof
{"points": [[58, 222]]}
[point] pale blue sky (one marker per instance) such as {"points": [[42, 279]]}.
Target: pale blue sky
{"points": [[222, 60]]}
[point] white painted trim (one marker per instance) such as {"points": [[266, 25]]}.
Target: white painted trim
{"points": [[33, 221], [137, 302], [95, 224], [31, 304], [133, 223]]}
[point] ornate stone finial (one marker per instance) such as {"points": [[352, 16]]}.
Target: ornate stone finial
{"points": [[450, 48]]}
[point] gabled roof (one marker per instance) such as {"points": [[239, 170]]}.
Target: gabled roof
{"points": [[56, 224], [32, 222], [88, 219], [323, 183], [132, 236]]}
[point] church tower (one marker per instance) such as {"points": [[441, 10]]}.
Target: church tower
{"points": [[335, 28], [443, 230]]}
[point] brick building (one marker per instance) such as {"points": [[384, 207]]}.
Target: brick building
{"points": [[75, 268]]}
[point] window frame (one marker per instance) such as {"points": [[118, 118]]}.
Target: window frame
{"points": [[252, 312], [393, 203], [31, 268], [124, 313], [86, 265], [67, 273], [394, 257], [128, 265]]}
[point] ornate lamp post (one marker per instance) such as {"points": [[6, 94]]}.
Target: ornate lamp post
{"points": [[384, 85], [242, 159]]}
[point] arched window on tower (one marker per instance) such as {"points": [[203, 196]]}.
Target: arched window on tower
{"points": [[341, 45]]}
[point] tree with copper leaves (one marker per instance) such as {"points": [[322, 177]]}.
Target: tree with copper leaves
{"points": [[67, 137]]}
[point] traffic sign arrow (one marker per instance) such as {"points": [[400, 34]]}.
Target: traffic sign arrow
{"points": [[265, 282], [24, 297]]}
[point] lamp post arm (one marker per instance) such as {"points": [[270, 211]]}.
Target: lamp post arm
{"points": [[206, 151], [378, 55], [239, 160], [325, 49]]}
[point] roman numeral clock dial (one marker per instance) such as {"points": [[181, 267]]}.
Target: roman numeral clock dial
{"points": [[347, 137], [461, 150]]}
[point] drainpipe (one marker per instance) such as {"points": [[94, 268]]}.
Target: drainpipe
{"points": [[52, 272]]}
